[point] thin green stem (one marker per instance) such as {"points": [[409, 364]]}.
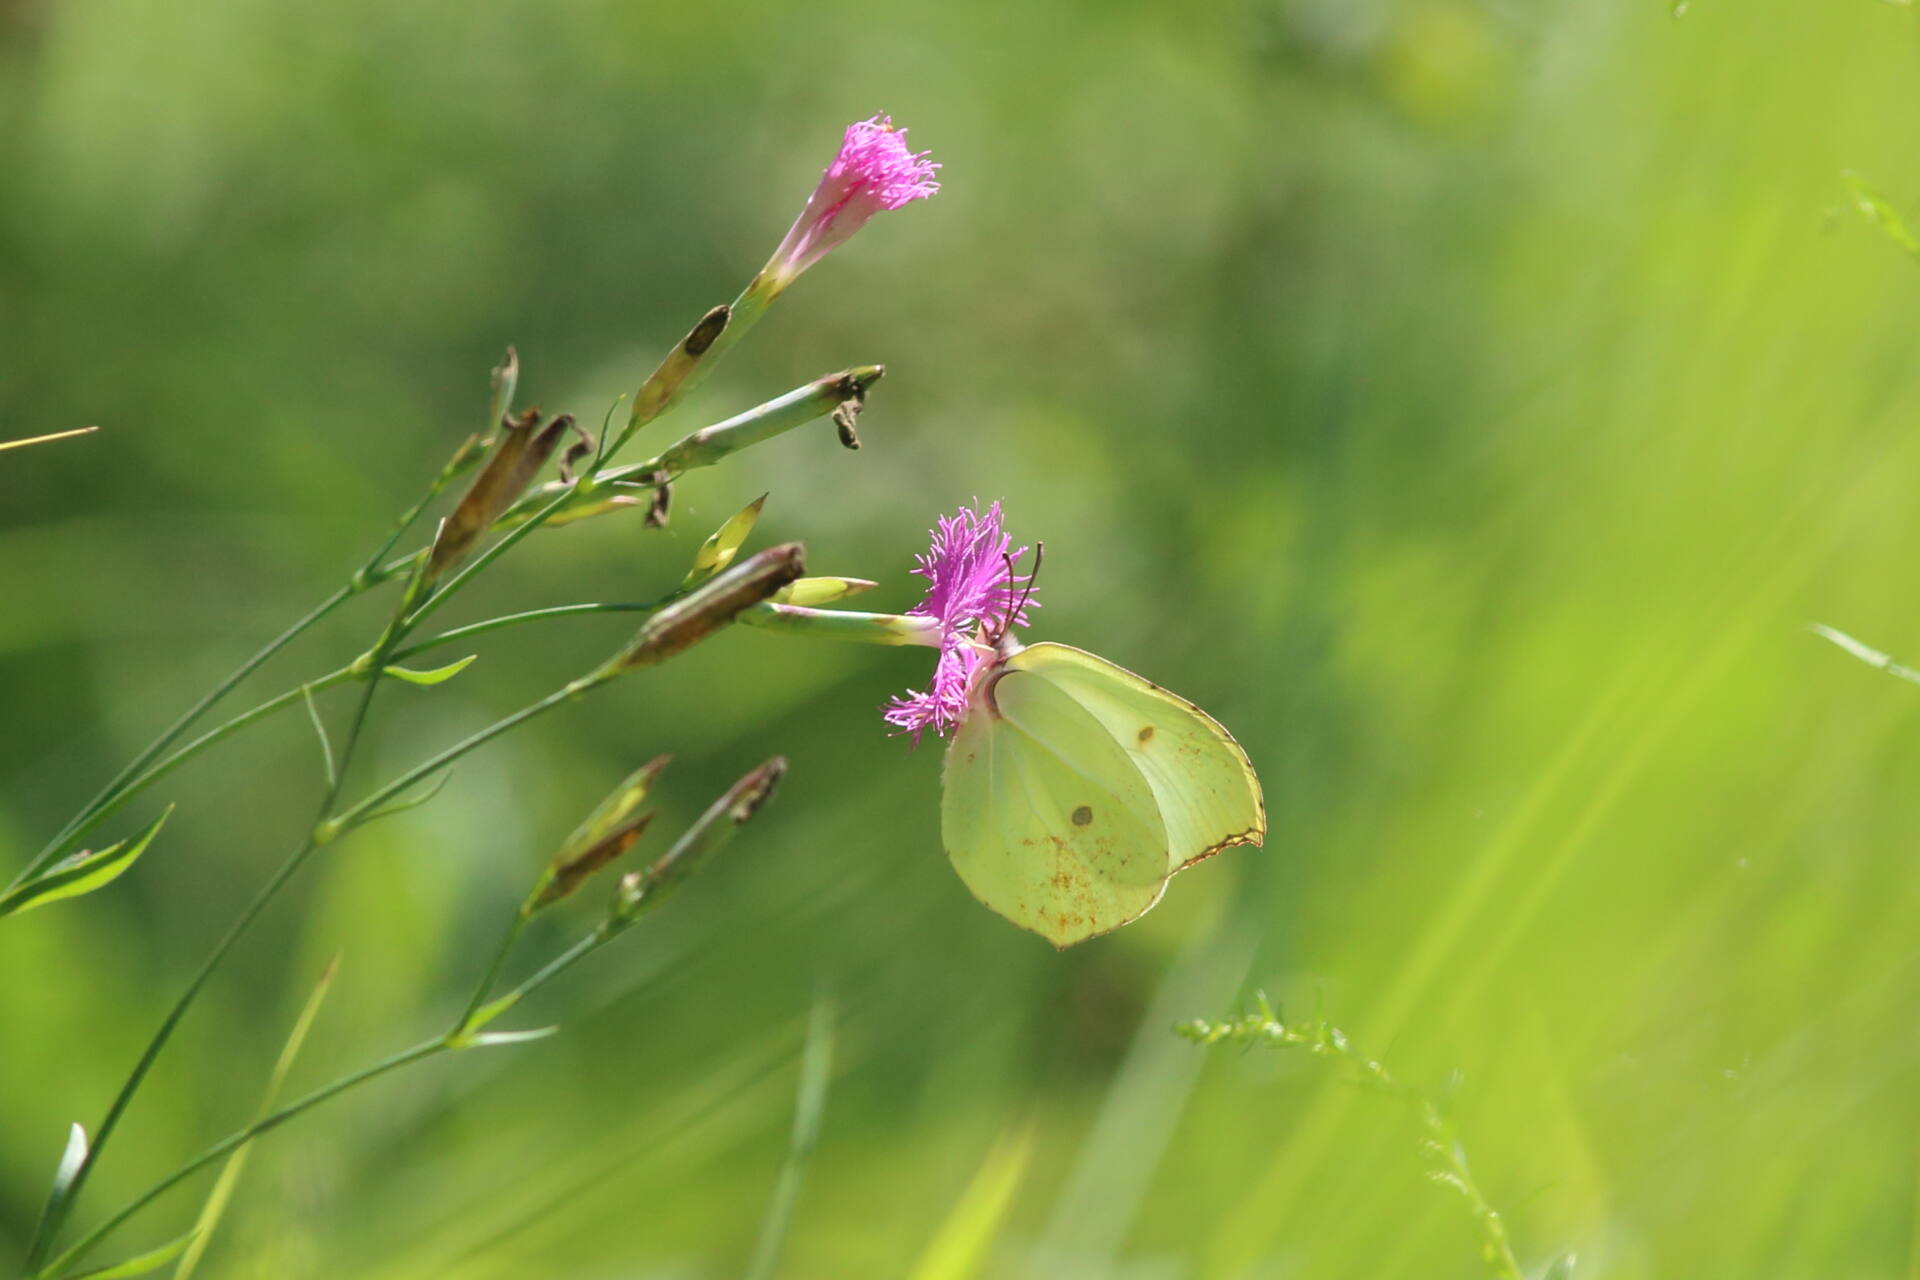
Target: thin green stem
{"points": [[166, 766], [50, 1222], [485, 989], [90, 815], [1442, 1144], [292, 696], [353, 816], [579, 951], [474, 566], [410, 612], [532, 615], [371, 574], [417, 1053], [573, 955], [810, 1102]]}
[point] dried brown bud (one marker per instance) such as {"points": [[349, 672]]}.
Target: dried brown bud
{"points": [[608, 832], [712, 605], [708, 832], [844, 416], [659, 390], [568, 874], [662, 508], [524, 448]]}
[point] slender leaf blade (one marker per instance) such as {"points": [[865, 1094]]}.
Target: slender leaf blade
{"points": [[140, 1264], [717, 552], [223, 1188], [958, 1250], [487, 1039], [82, 873], [438, 675]]}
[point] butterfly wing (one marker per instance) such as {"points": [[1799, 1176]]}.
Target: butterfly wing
{"points": [[1048, 821], [1202, 782]]}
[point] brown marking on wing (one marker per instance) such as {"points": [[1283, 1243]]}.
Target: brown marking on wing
{"points": [[1256, 835]]}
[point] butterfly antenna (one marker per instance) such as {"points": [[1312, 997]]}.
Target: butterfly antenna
{"points": [[1039, 550]]}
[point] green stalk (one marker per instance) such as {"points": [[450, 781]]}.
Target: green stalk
{"points": [[90, 814], [693, 358], [481, 992], [810, 1104], [407, 616], [1441, 1144], [332, 828], [370, 574], [531, 615], [579, 951], [49, 1225], [417, 1053], [129, 790], [480, 562]]}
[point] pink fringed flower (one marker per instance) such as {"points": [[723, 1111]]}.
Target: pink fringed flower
{"points": [[974, 595], [874, 171]]}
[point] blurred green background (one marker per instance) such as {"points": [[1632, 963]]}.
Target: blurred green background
{"points": [[1468, 402]]}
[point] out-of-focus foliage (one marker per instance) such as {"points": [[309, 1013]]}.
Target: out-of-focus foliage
{"points": [[1469, 402]]}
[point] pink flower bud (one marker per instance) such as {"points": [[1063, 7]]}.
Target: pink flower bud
{"points": [[874, 171]]}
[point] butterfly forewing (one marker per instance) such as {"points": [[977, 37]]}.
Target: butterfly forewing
{"points": [[1202, 782]]}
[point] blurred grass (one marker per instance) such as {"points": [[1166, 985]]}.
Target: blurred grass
{"points": [[1468, 402]]}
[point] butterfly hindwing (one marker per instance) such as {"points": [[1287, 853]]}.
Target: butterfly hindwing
{"points": [[1047, 820], [1202, 782]]}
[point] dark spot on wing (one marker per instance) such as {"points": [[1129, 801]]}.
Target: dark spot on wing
{"points": [[1082, 816], [1146, 735]]}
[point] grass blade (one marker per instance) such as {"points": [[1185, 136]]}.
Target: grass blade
{"points": [[223, 1187], [1871, 656], [959, 1248], [816, 1074], [139, 1264], [46, 439]]}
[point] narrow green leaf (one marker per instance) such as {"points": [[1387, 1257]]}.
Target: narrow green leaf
{"points": [[487, 1013], [439, 675], [82, 873], [717, 552], [411, 802], [958, 1250], [223, 1187], [152, 1260], [810, 1104], [70, 1161], [47, 439], [320, 729], [486, 1039], [1560, 1269]]}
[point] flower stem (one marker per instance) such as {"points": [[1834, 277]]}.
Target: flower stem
{"points": [[371, 574], [481, 992], [480, 562], [579, 951], [50, 1220], [532, 615], [351, 817], [420, 1052], [97, 808]]}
